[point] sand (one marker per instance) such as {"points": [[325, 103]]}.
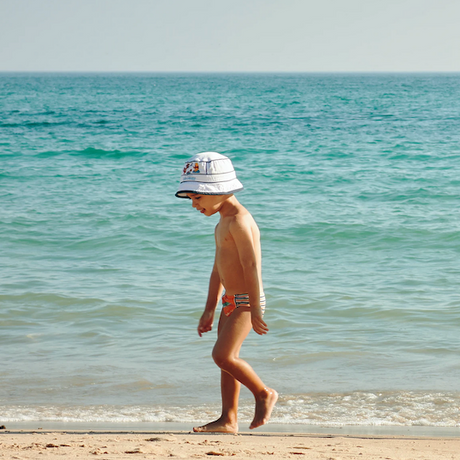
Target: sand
{"points": [[163, 445]]}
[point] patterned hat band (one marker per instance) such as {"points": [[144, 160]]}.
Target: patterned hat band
{"points": [[224, 177], [208, 173]]}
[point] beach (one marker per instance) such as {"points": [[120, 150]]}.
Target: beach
{"points": [[166, 445]]}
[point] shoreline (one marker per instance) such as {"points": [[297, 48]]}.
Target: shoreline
{"points": [[268, 429], [256, 446]]}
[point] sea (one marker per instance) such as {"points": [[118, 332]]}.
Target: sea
{"points": [[354, 181]]}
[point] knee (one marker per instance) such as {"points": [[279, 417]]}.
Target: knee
{"points": [[222, 359]]}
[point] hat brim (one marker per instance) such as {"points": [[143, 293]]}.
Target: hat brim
{"points": [[203, 188]]}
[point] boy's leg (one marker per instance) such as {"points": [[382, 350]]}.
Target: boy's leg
{"points": [[230, 391], [233, 330], [228, 421]]}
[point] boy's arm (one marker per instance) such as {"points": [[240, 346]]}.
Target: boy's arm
{"points": [[241, 232], [214, 294]]}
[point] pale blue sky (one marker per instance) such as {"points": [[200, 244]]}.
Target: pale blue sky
{"points": [[230, 35]]}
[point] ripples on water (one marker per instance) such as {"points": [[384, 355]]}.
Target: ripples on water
{"points": [[353, 181]]}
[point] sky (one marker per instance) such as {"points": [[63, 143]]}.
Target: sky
{"points": [[230, 35]]}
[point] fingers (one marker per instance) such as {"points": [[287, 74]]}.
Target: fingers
{"points": [[259, 326], [203, 329], [205, 323]]}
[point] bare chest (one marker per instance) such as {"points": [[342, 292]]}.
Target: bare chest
{"points": [[224, 239]]}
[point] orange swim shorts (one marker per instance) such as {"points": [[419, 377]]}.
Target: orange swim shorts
{"points": [[232, 302]]}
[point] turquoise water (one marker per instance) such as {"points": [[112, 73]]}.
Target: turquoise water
{"points": [[354, 182]]}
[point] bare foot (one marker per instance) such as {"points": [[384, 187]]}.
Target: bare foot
{"points": [[264, 406], [219, 426]]}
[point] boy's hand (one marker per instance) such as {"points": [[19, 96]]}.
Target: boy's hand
{"points": [[205, 324], [258, 324]]}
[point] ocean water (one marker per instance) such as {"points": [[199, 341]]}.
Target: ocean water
{"points": [[354, 181]]}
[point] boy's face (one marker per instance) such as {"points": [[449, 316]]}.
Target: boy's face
{"points": [[206, 204]]}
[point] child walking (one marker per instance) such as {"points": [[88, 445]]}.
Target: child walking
{"points": [[209, 180]]}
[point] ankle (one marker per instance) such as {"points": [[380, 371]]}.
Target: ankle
{"points": [[229, 419], [264, 393]]}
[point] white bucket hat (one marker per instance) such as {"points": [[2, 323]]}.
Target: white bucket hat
{"points": [[208, 173]]}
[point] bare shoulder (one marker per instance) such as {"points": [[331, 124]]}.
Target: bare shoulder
{"points": [[243, 222]]}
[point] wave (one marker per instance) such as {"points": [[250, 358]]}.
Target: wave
{"points": [[397, 408], [33, 124], [92, 152]]}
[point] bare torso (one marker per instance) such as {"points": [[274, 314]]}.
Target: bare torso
{"points": [[227, 256]]}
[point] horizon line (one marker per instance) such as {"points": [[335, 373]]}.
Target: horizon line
{"points": [[241, 72]]}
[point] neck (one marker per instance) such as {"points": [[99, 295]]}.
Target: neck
{"points": [[229, 206]]}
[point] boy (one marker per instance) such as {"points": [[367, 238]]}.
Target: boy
{"points": [[209, 180]]}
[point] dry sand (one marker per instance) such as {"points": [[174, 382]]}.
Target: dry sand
{"points": [[113, 445]]}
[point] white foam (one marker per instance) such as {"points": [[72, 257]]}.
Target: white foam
{"points": [[403, 408]]}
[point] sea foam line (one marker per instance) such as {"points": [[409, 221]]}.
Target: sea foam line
{"points": [[403, 408]]}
